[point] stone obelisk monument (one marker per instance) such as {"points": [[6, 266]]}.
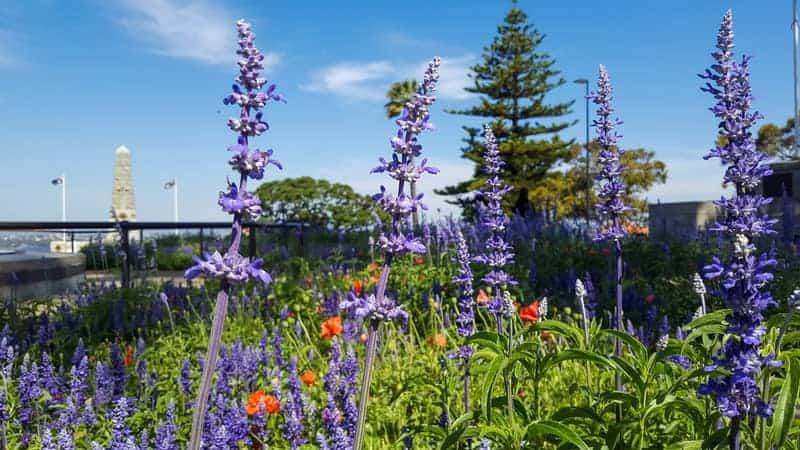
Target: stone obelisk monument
{"points": [[123, 201]]}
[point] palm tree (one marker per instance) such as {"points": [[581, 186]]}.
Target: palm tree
{"points": [[398, 94]]}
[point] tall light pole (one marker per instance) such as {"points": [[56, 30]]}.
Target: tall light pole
{"points": [[62, 180], [796, 40], [585, 82], [173, 184]]}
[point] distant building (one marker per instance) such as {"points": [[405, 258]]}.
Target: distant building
{"points": [[680, 219], [123, 200], [685, 219]]}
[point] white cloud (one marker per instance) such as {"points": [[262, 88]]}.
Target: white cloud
{"points": [[193, 30], [360, 81], [453, 77], [369, 81]]}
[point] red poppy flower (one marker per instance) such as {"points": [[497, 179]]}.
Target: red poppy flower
{"points": [[438, 340], [331, 327], [128, 360], [530, 313], [308, 377], [483, 298], [259, 401], [358, 288]]}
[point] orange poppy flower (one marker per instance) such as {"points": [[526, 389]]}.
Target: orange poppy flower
{"points": [[530, 313], [483, 297], [308, 377], [419, 260], [332, 327], [259, 400], [128, 360], [358, 287], [372, 267], [363, 338], [438, 340]]}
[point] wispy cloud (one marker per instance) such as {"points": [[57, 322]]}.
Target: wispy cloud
{"points": [[193, 30], [453, 77], [360, 81], [369, 81]]}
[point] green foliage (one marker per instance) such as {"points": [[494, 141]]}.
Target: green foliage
{"points": [[399, 93], [567, 190], [512, 81], [777, 141], [316, 202], [549, 387]]}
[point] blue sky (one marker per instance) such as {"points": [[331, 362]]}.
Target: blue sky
{"points": [[81, 77]]}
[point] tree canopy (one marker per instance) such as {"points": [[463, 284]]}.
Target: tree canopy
{"points": [[317, 202], [777, 141], [567, 190], [512, 82]]}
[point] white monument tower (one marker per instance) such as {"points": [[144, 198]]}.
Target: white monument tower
{"points": [[123, 201]]}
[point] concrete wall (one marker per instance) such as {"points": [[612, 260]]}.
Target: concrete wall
{"points": [[30, 275], [680, 219]]}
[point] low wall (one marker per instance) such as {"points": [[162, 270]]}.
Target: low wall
{"points": [[29, 275]]}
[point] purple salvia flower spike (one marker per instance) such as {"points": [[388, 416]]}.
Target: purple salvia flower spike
{"points": [[232, 267], [745, 275], [498, 253], [612, 207], [396, 241]]}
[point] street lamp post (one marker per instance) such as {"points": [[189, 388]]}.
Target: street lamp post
{"points": [[173, 184], [62, 180], [585, 82]]}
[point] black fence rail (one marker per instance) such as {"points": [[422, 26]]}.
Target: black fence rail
{"points": [[125, 228]]}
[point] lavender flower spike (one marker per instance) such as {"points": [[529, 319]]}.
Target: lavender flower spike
{"points": [[745, 275], [232, 268], [498, 252], [414, 119], [612, 208]]}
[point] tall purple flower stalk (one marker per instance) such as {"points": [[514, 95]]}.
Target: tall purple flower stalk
{"points": [[397, 241], [744, 275], [465, 321], [232, 267], [612, 206], [499, 253]]}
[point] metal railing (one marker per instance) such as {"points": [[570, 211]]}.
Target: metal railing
{"points": [[125, 228]]}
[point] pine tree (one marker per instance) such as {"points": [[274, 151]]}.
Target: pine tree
{"points": [[512, 81]]}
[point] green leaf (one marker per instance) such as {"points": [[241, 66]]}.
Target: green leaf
{"points": [[633, 375], [561, 431], [712, 318], [495, 368], [784, 408], [569, 412], [686, 445], [576, 355], [636, 347], [561, 328]]}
